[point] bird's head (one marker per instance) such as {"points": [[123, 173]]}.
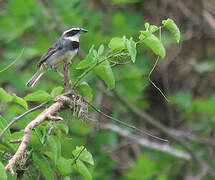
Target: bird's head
{"points": [[73, 34]]}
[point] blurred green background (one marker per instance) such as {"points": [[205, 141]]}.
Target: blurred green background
{"points": [[186, 76]]}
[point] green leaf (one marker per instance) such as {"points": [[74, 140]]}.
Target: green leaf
{"points": [[162, 177], [36, 140], [3, 124], [3, 172], [64, 166], [145, 168], [4, 96], [105, 72], [86, 90], [154, 44], [20, 101], [82, 169], [56, 91], [84, 156], [101, 50], [11, 64], [88, 61], [38, 96], [153, 28], [66, 178], [55, 147], [63, 127], [147, 26], [131, 46], [44, 166], [116, 43], [183, 99], [6, 146], [172, 27]]}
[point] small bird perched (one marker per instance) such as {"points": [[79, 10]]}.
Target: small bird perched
{"points": [[62, 51]]}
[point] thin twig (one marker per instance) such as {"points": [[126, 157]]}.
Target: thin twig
{"points": [[153, 68], [20, 116], [125, 124]]}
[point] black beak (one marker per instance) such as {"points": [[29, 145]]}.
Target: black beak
{"points": [[83, 31]]}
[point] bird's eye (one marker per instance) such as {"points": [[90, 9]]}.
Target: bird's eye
{"points": [[72, 33]]}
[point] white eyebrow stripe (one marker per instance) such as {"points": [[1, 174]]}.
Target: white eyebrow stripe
{"points": [[72, 29]]}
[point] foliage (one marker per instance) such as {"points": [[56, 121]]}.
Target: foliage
{"points": [[120, 52]]}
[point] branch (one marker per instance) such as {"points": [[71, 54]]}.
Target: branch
{"points": [[145, 142], [45, 115], [66, 77], [209, 18]]}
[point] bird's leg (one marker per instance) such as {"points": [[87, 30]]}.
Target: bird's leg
{"points": [[59, 73]]}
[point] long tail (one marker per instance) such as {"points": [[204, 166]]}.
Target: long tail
{"points": [[35, 78]]}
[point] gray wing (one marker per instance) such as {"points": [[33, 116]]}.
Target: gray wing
{"points": [[55, 47]]}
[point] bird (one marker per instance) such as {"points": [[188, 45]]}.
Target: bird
{"points": [[62, 51]]}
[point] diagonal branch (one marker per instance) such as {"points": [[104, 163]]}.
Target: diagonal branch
{"points": [[145, 142]]}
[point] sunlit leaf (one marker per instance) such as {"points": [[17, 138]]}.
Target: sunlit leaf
{"points": [[38, 96], [172, 27], [84, 155], [56, 91], [4, 96], [20, 101], [154, 44], [101, 50], [82, 169], [153, 28], [147, 26], [116, 43]]}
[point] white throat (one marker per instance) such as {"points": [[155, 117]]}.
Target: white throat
{"points": [[74, 38]]}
